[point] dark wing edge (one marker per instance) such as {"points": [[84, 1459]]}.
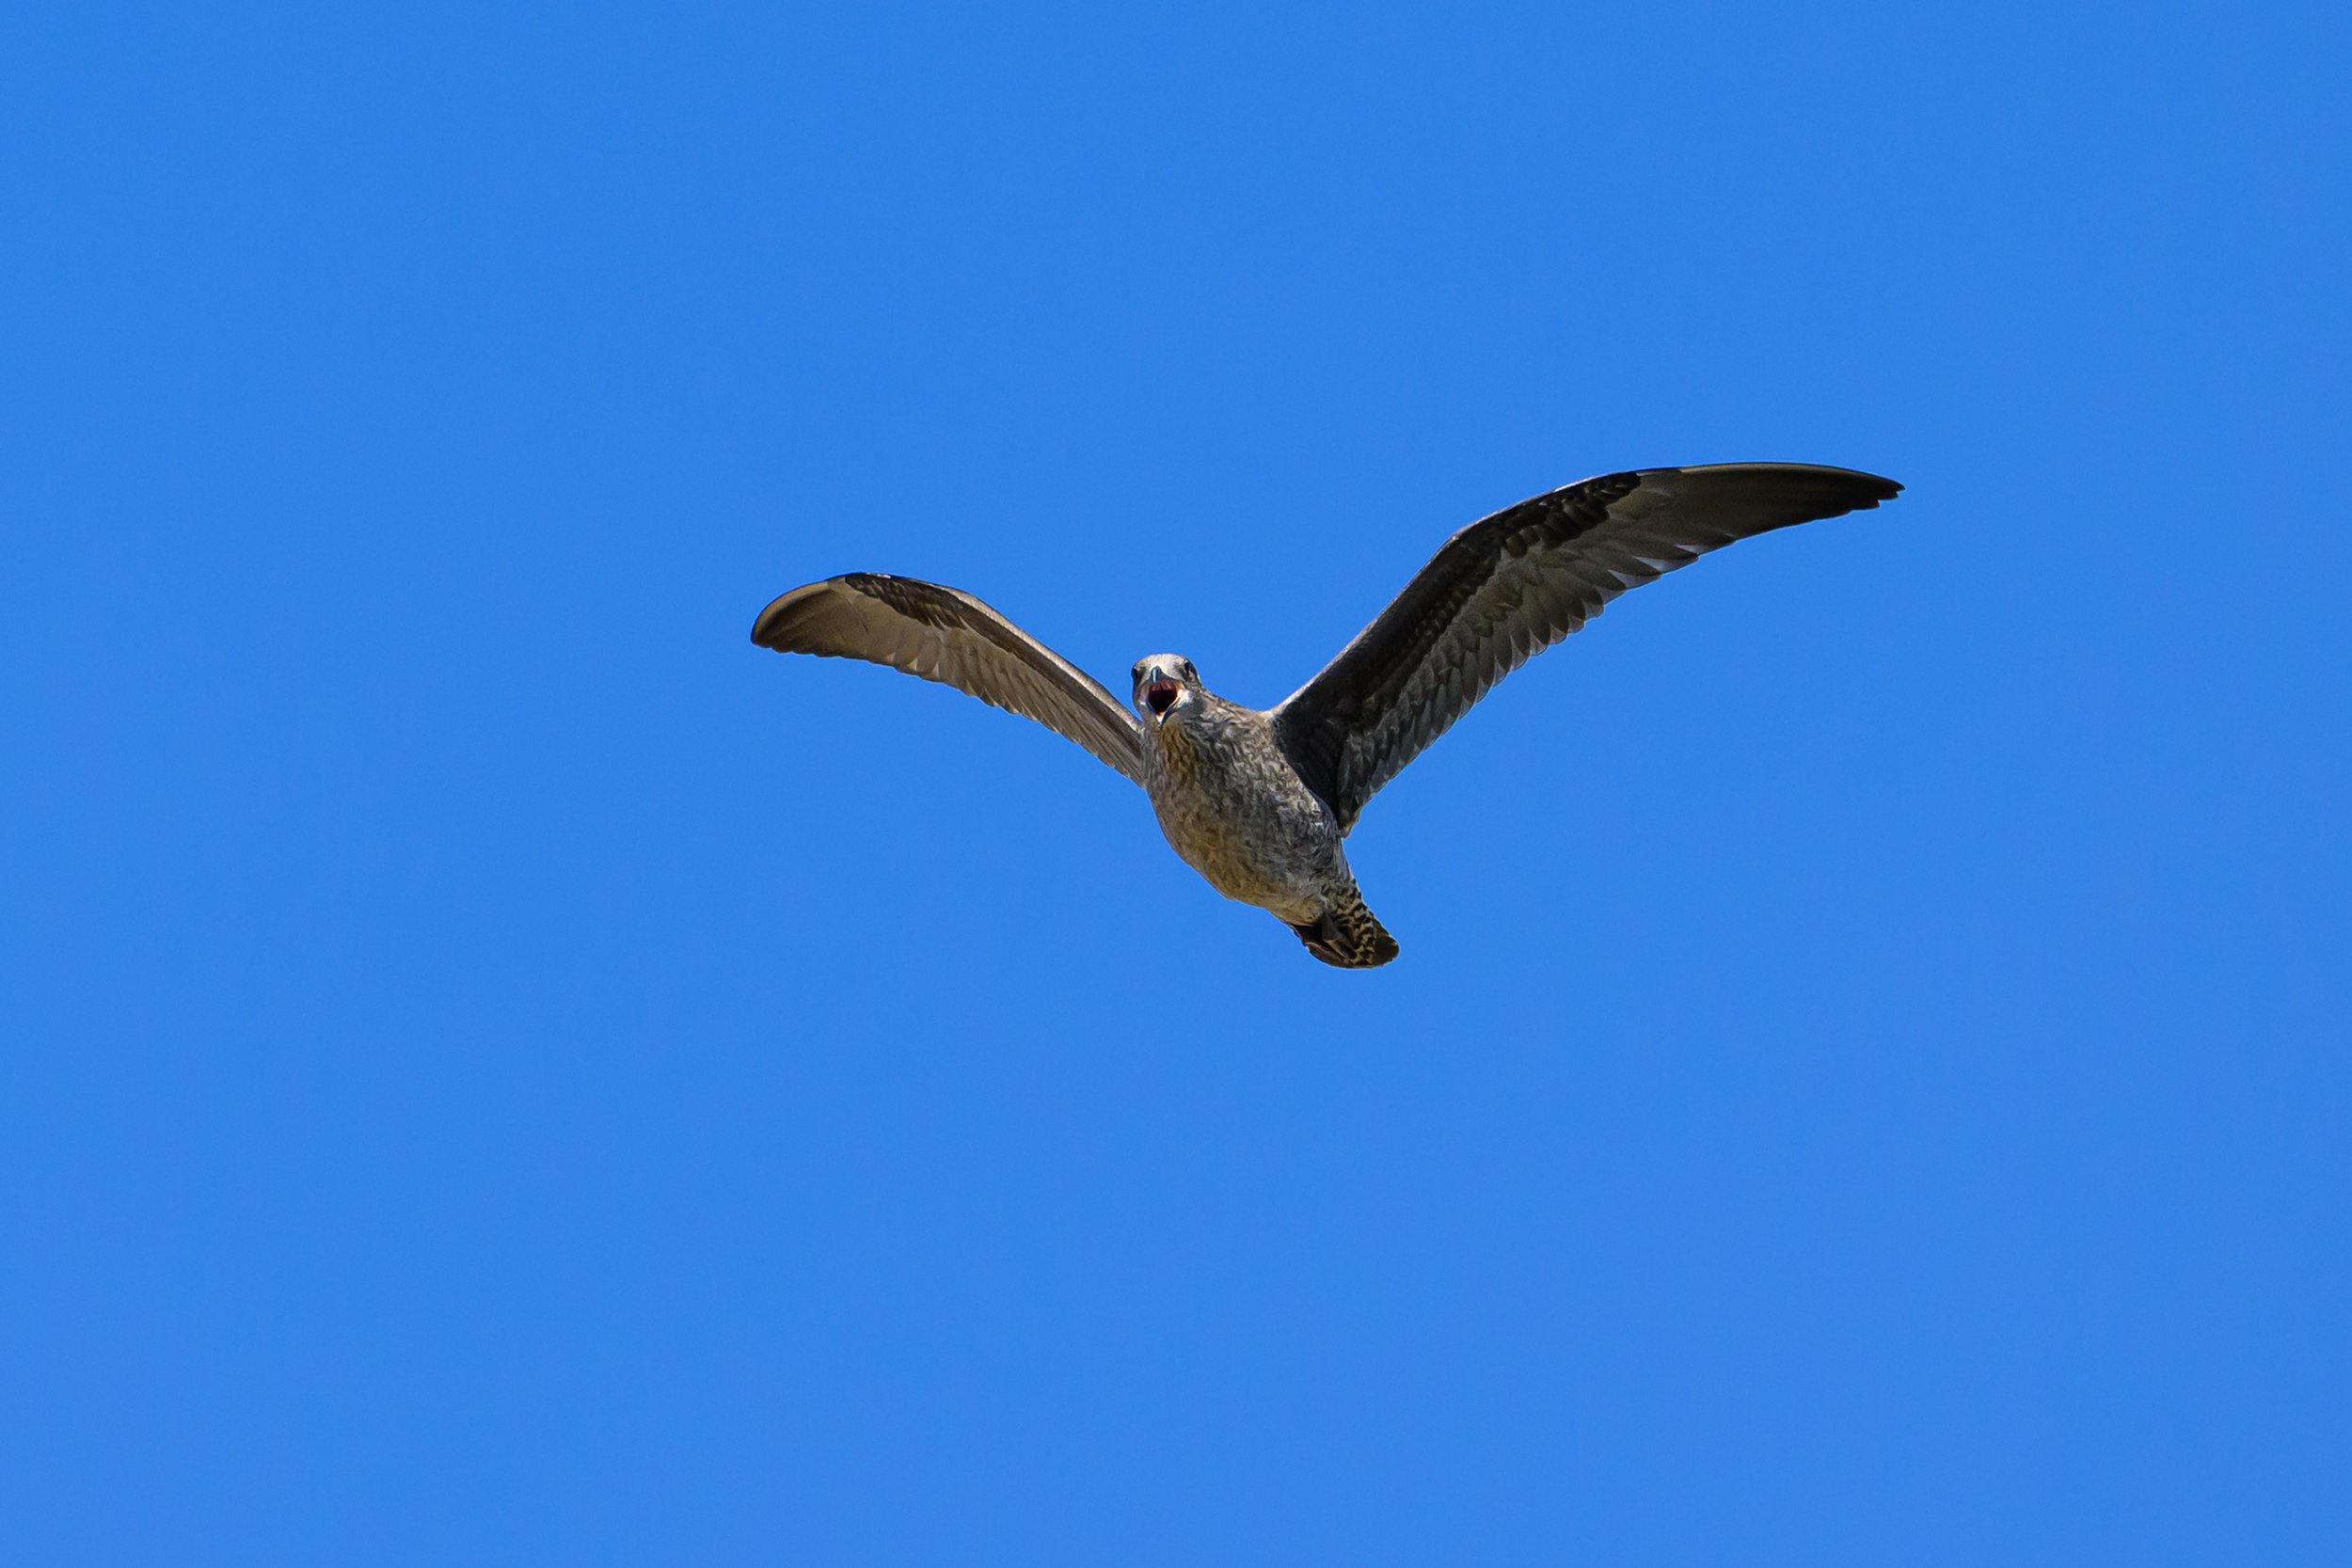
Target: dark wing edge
{"points": [[1511, 585], [944, 635]]}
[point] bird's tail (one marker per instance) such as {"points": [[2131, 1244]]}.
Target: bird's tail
{"points": [[1349, 936]]}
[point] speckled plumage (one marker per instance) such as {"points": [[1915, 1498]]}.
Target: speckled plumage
{"points": [[1232, 804], [1258, 803], [1235, 808]]}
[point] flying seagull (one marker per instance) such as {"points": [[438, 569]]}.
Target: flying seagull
{"points": [[1258, 802]]}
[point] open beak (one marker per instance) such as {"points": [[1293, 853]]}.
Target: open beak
{"points": [[1159, 695]]}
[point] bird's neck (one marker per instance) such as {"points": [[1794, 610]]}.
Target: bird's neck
{"points": [[1200, 735], [1185, 736]]}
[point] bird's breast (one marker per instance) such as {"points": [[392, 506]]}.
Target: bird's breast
{"points": [[1231, 804]]}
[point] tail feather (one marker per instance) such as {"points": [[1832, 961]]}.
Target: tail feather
{"points": [[1347, 935]]}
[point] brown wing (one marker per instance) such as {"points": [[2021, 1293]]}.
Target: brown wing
{"points": [[943, 635], [1508, 587]]}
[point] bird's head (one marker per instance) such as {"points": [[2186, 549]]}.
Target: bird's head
{"points": [[1163, 683]]}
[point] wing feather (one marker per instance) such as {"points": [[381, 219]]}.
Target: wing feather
{"points": [[942, 634], [1511, 585]]}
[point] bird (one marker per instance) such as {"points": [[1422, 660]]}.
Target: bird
{"points": [[1258, 802]]}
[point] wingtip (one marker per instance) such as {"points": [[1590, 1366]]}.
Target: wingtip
{"points": [[769, 630], [1860, 479], [1861, 491], [764, 627], [1877, 487]]}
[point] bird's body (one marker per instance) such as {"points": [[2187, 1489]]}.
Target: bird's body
{"points": [[1235, 809], [1258, 802], [1232, 806]]}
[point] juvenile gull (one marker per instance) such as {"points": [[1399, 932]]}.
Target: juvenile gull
{"points": [[1258, 802]]}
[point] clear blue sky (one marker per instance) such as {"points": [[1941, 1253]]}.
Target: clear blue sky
{"points": [[497, 1069]]}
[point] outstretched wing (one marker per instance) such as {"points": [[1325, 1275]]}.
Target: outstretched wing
{"points": [[1508, 587], [943, 635]]}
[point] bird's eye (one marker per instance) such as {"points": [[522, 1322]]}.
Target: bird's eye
{"points": [[1190, 673]]}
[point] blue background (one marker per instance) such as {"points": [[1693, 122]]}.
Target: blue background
{"points": [[499, 1070]]}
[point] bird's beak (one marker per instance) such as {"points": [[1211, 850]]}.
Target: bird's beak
{"points": [[1160, 693]]}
